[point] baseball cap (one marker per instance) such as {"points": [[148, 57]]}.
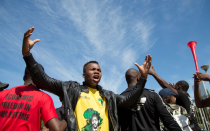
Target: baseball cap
{"points": [[166, 92], [3, 85]]}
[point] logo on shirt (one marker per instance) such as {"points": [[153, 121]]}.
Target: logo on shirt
{"points": [[139, 104], [85, 97], [93, 120], [100, 101]]}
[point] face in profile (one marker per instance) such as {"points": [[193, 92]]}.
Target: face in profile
{"points": [[95, 122]]}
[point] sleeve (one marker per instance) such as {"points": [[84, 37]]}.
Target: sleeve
{"points": [[41, 79], [165, 116], [48, 109], [129, 99]]}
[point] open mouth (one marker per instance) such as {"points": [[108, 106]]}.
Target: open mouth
{"points": [[96, 78]]}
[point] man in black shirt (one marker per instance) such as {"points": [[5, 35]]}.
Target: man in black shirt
{"points": [[145, 114], [183, 98]]}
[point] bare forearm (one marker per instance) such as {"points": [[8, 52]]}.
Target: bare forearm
{"points": [[56, 125], [163, 83], [160, 81], [63, 125], [197, 95]]}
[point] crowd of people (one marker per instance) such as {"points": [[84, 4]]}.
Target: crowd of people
{"points": [[89, 107]]}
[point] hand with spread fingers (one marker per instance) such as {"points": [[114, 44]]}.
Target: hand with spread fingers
{"points": [[152, 70], [145, 67], [27, 43], [201, 76]]}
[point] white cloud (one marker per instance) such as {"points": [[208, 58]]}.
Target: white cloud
{"points": [[103, 36]]}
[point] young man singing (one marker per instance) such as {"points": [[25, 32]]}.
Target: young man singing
{"points": [[80, 101]]}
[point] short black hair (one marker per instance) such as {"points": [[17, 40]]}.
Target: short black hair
{"points": [[183, 84], [131, 75], [26, 74], [87, 64]]}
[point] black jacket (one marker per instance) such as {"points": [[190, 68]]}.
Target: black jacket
{"points": [[145, 114], [70, 91]]}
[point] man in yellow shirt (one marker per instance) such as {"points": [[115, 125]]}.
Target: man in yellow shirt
{"points": [[87, 107]]}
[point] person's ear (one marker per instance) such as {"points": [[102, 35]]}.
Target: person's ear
{"points": [[83, 75], [137, 79], [179, 87], [23, 78]]}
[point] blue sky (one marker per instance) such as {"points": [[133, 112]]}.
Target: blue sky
{"points": [[114, 33]]}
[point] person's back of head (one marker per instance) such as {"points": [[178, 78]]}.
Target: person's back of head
{"points": [[27, 77], [132, 76], [183, 85]]}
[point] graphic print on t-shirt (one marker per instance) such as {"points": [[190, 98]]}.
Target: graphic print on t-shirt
{"points": [[139, 104], [91, 111], [101, 102], [93, 120]]}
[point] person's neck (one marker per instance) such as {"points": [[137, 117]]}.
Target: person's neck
{"points": [[131, 84], [28, 82], [182, 91], [89, 85]]}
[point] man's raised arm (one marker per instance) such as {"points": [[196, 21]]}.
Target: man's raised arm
{"points": [[200, 103], [42, 80], [161, 81], [130, 99]]}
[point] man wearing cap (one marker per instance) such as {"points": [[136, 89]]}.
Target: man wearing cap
{"points": [[22, 108], [145, 114], [179, 113], [3, 86], [183, 98]]}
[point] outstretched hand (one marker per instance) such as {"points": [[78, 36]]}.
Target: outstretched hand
{"points": [[27, 43], [151, 70], [144, 68]]}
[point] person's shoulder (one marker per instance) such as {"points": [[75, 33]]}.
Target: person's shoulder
{"points": [[150, 91], [70, 84], [107, 91]]}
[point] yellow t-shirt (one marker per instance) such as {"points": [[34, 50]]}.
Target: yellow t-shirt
{"points": [[91, 111]]}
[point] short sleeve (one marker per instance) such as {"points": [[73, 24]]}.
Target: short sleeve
{"points": [[48, 109]]}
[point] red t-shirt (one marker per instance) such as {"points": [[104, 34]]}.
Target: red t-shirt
{"points": [[23, 107]]}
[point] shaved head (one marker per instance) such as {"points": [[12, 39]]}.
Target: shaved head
{"points": [[132, 75]]}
